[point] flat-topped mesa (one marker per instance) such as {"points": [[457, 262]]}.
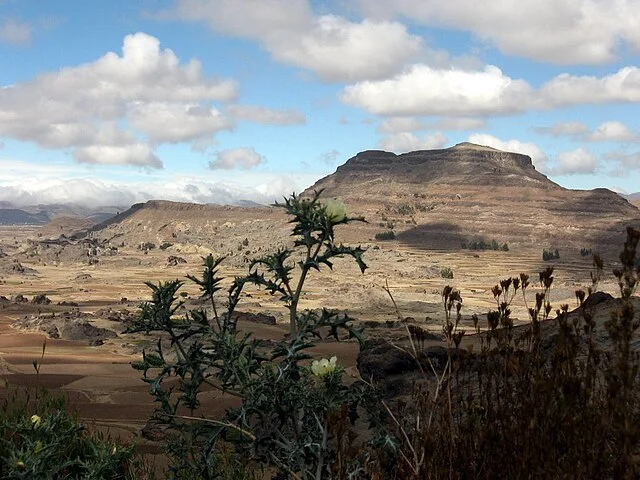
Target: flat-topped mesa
{"points": [[464, 164]]}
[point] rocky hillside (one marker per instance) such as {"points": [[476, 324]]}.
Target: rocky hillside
{"points": [[445, 198], [238, 233]]}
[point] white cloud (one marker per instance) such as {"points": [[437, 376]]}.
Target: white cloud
{"points": [[423, 90], [575, 162], [137, 154], [538, 157], [15, 32], [621, 86], [99, 109], [91, 192], [613, 131], [334, 48], [407, 142], [558, 31], [266, 116], [175, 122], [243, 158]]}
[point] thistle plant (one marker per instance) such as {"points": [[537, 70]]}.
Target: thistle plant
{"points": [[284, 417]]}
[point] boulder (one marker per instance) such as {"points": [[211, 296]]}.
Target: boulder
{"points": [[379, 359], [40, 299]]}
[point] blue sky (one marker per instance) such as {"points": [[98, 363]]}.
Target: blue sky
{"points": [[111, 103]]}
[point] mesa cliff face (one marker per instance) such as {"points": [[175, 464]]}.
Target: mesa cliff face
{"points": [[441, 198]]}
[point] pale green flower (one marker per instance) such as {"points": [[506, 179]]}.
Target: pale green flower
{"points": [[36, 421], [336, 210], [323, 367]]}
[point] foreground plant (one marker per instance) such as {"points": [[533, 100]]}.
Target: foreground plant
{"points": [[40, 440], [558, 398], [286, 414]]}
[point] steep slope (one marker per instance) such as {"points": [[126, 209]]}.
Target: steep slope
{"points": [[442, 198]]}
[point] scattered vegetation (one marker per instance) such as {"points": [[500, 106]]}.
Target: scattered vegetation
{"points": [[446, 272], [483, 245], [388, 235], [405, 209], [550, 255], [146, 246]]}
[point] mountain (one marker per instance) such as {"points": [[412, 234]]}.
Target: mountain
{"points": [[444, 198], [11, 214], [634, 198], [16, 216], [431, 199]]}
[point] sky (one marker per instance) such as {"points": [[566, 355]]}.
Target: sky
{"points": [[217, 101]]}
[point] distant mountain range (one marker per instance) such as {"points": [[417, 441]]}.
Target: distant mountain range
{"points": [[11, 214]]}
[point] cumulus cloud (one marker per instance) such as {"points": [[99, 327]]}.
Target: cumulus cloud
{"points": [[613, 131], [266, 116], [424, 90], [137, 154], [243, 158], [335, 48], [407, 141], [171, 123], [575, 162], [621, 86], [15, 32], [559, 31], [538, 157], [99, 109]]}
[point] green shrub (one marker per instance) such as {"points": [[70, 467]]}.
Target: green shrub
{"points": [[481, 244], [405, 209], [550, 255], [388, 235], [40, 440], [446, 272]]}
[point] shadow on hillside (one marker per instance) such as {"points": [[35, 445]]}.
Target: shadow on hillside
{"points": [[433, 236]]}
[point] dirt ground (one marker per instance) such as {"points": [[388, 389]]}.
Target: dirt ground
{"points": [[106, 392]]}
